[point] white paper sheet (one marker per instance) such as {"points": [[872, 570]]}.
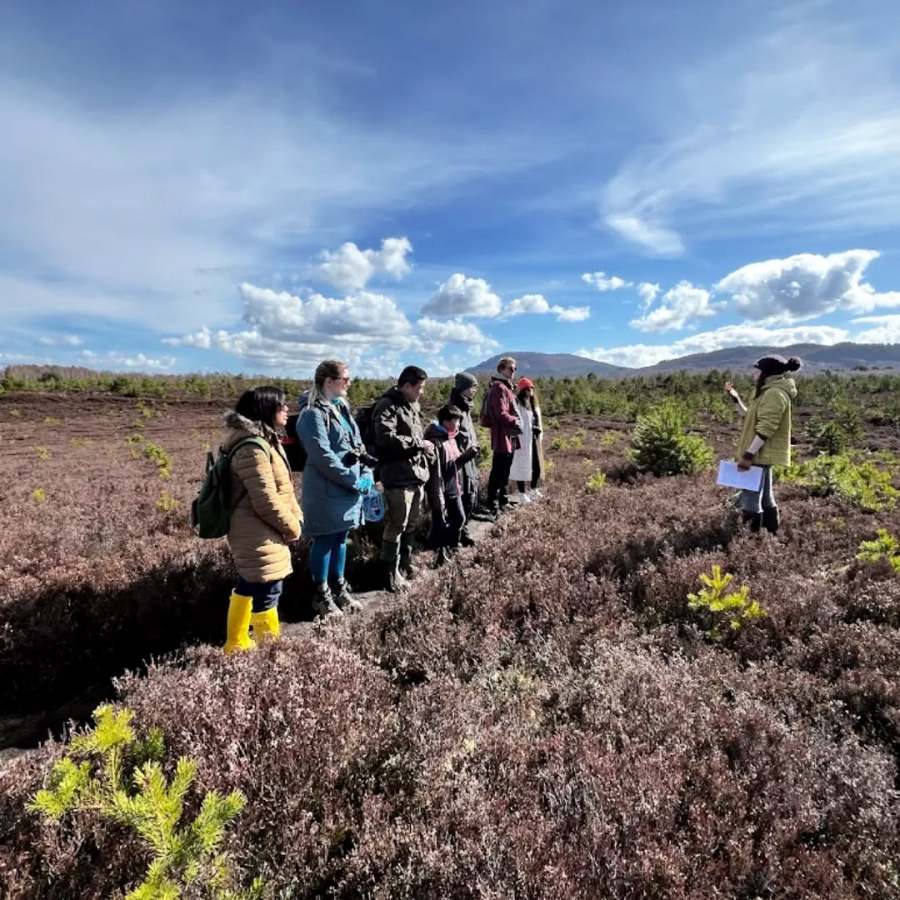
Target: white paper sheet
{"points": [[731, 476]]}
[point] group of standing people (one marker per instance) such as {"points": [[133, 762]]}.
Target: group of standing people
{"points": [[401, 456]]}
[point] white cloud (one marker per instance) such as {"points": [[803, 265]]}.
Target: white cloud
{"points": [[680, 305], [133, 207], [463, 296], [436, 333], [537, 304], [886, 330], [744, 335], [292, 333], [604, 282], [116, 359], [796, 128], [350, 268], [651, 235], [529, 304], [805, 286], [571, 313], [61, 340], [647, 291]]}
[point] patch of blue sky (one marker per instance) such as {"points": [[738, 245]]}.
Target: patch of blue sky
{"points": [[165, 154]]}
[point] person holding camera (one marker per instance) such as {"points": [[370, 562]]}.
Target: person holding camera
{"points": [[336, 476], [404, 456]]}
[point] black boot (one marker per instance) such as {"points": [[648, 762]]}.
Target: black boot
{"points": [[770, 519], [441, 557], [407, 570], [390, 560], [343, 599], [323, 603], [466, 539], [754, 519]]}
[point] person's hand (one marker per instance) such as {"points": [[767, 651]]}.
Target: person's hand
{"points": [[729, 387], [364, 483], [745, 462], [429, 448]]}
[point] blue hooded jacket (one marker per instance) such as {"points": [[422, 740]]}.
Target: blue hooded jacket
{"points": [[330, 499]]}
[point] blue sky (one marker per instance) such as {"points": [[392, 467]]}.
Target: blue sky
{"points": [[216, 186]]}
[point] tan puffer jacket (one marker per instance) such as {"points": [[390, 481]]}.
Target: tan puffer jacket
{"points": [[267, 515]]}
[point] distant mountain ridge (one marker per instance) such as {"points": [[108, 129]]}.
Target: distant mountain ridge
{"points": [[816, 358]]}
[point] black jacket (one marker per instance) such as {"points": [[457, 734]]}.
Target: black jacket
{"points": [[468, 438], [399, 441]]}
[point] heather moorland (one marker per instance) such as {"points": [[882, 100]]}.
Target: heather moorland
{"points": [[565, 710]]}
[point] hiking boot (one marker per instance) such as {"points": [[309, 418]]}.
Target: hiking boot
{"points": [[770, 519], [753, 519], [343, 599], [323, 604], [484, 514], [441, 557], [406, 568], [389, 561], [466, 539]]}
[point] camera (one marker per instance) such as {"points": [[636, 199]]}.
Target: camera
{"points": [[360, 454]]}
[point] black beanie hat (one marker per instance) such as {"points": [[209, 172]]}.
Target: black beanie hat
{"points": [[777, 365], [464, 381]]}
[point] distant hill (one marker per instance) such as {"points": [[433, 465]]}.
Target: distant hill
{"points": [[552, 365], [816, 358]]}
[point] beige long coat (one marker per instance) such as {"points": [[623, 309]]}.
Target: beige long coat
{"points": [[267, 516]]}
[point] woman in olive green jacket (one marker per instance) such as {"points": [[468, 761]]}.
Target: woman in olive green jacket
{"points": [[766, 436]]}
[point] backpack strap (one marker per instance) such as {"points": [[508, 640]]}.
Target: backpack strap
{"points": [[262, 443]]}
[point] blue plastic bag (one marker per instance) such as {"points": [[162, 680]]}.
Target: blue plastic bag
{"points": [[373, 505]]}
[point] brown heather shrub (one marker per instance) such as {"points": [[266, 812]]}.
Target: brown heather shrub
{"points": [[544, 718]]}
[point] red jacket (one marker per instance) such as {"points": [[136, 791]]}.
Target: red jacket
{"points": [[505, 424]]}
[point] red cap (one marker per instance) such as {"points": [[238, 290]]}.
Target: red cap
{"points": [[524, 384]]}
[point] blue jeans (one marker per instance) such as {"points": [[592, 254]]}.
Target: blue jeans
{"points": [[265, 594], [764, 498], [328, 556]]}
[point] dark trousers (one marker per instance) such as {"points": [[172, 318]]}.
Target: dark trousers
{"points": [[265, 594], [498, 483], [446, 534]]}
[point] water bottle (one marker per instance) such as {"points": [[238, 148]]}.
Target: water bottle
{"points": [[373, 505]]}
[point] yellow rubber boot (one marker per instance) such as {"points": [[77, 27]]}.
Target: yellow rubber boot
{"points": [[265, 625], [239, 611]]}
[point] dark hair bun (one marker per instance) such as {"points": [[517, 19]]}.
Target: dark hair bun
{"points": [[793, 364]]}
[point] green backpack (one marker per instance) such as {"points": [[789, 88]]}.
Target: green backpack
{"points": [[211, 510]]}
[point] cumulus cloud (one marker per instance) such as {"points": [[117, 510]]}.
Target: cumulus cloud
{"points": [[571, 313], [460, 295], [604, 282], [805, 286], [744, 335], [680, 305], [437, 332], [534, 304], [292, 333], [647, 291], [537, 304], [350, 269]]}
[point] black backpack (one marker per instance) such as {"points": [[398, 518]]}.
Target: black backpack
{"points": [[293, 446], [365, 421], [485, 419], [212, 508]]}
